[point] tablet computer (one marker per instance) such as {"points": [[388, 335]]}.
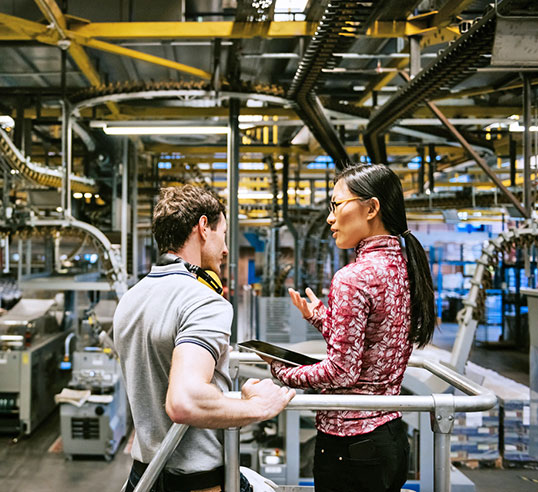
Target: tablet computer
{"points": [[278, 353]]}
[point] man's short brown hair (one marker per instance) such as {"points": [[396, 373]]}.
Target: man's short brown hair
{"points": [[178, 211]]}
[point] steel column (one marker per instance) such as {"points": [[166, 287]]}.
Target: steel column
{"points": [[67, 155], [422, 157], [287, 220], [19, 261], [233, 212], [293, 450], [513, 159], [414, 55], [231, 459], [431, 167], [124, 201], [134, 214], [441, 462], [28, 256], [6, 254], [527, 144]]}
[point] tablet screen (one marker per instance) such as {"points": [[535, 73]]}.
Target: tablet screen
{"points": [[278, 353]]}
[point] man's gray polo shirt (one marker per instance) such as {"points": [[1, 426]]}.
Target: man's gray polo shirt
{"points": [[166, 308]]}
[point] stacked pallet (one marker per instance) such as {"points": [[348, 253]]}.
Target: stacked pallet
{"points": [[475, 436], [514, 404]]}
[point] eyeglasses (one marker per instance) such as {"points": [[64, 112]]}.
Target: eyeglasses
{"points": [[333, 204]]}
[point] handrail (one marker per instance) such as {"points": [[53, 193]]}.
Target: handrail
{"points": [[442, 407], [168, 446]]}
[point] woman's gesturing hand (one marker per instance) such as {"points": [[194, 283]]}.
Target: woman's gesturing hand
{"points": [[306, 308]]}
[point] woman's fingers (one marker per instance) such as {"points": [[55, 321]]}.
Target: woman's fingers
{"points": [[313, 298], [301, 303], [295, 297]]}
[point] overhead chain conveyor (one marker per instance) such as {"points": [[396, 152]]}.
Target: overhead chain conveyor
{"points": [[461, 58], [524, 237], [467, 198], [123, 91], [336, 32], [110, 255], [15, 162]]}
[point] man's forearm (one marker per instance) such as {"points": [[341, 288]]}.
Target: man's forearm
{"points": [[206, 407]]}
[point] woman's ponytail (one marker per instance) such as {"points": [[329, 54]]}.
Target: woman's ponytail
{"points": [[421, 290]]}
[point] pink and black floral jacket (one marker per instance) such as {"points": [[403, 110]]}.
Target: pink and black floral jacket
{"points": [[366, 326]]}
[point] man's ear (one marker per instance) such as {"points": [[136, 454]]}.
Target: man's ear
{"points": [[202, 226], [373, 208]]}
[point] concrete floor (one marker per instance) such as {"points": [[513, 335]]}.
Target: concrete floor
{"points": [[27, 466]]}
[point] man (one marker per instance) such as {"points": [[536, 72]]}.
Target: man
{"points": [[172, 334]]}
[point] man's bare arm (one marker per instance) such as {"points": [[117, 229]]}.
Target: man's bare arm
{"points": [[192, 399]]}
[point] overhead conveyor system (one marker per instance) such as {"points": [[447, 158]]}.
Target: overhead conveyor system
{"points": [[524, 237], [125, 91], [110, 256], [456, 63], [336, 32], [13, 160]]}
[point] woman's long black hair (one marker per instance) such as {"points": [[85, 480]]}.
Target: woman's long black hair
{"points": [[367, 181]]}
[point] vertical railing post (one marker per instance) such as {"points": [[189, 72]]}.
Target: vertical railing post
{"points": [[231, 459], [442, 425]]}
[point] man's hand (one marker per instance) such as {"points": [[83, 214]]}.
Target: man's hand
{"points": [[306, 308], [268, 398]]}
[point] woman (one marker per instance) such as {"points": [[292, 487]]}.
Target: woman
{"points": [[379, 306]]}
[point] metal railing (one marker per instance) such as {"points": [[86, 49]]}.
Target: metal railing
{"points": [[442, 407]]}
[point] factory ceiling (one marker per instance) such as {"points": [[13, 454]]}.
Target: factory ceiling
{"points": [[320, 83]]}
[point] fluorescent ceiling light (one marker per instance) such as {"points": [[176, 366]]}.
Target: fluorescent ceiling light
{"points": [[165, 130], [250, 118], [255, 195], [516, 127], [290, 5]]}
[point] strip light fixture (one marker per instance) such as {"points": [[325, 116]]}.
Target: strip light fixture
{"points": [[165, 130]]}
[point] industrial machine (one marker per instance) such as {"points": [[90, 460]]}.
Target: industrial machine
{"points": [[93, 418], [31, 347]]}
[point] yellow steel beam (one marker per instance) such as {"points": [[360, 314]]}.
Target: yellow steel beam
{"points": [[382, 81], [439, 35], [192, 30], [29, 30], [449, 11], [54, 15], [465, 111], [84, 64], [156, 60], [401, 150], [210, 151], [7, 34], [420, 25], [234, 30]]}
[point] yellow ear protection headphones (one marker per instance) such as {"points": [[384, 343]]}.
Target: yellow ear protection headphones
{"points": [[208, 277]]}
